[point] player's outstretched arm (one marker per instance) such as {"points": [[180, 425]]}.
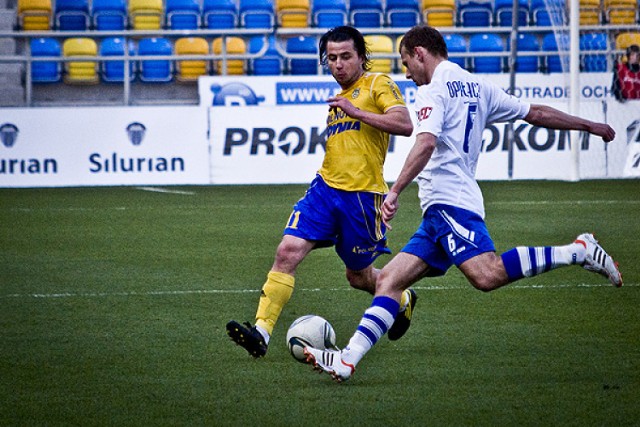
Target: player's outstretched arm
{"points": [[549, 117]]}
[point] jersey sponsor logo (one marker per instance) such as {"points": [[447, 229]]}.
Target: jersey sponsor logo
{"points": [[424, 113], [463, 89], [342, 127]]}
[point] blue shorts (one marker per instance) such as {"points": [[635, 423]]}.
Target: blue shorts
{"points": [[350, 220], [448, 236]]}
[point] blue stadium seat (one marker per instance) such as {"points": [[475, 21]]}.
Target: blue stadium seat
{"points": [[302, 44], [503, 13], [475, 13], [486, 42], [593, 63], [257, 14], [71, 15], [270, 62], [403, 13], [182, 14], [219, 14], [113, 71], [527, 42], [366, 13], [328, 13], [556, 63], [45, 71], [546, 13], [157, 70], [109, 15], [456, 43]]}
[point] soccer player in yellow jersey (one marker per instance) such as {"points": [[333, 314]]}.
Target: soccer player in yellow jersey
{"points": [[341, 207]]}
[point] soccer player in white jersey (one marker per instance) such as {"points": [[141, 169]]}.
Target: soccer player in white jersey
{"points": [[453, 107]]}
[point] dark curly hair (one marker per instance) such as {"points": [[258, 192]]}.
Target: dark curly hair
{"points": [[342, 34]]}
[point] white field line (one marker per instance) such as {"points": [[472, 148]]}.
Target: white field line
{"points": [[513, 287], [166, 190], [160, 190]]}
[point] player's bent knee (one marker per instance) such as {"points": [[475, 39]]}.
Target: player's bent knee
{"points": [[361, 281]]}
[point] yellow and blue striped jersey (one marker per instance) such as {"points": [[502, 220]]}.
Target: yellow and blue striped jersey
{"points": [[355, 151]]}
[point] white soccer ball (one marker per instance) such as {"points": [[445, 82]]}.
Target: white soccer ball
{"points": [[310, 330]]}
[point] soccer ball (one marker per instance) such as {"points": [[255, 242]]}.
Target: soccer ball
{"points": [[310, 330]]}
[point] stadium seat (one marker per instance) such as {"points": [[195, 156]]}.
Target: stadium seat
{"points": [[503, 13], [80, 72], [109, 15], [590, 12], [403, 13], [233, 46], [486, 42], [456, 43], [182, 14], [157, 70], [366, 13], [293, 13], [329, 13], [380, 44], [298, 45], [439, 13], [475, 13], [219, 14], [270, 62], [45, 71], [71, 15], [594, 62], [547, 13], [527, 42], [146, 14], [34, 15], [189, 70], [624, 40], [113, 71], [257, 14], [556, 43], [621, 12], [399, 68]]}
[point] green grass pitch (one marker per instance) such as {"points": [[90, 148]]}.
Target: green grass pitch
{"points": [[113, 303]]}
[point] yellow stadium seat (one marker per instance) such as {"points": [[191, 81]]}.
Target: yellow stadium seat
{"points": [[293, 13], [624, 40], [146, 14], [234, 46], [439, 13], [34, 15], [401, 68], [380, 44], [190, 70], [621, 12], [80, 72], [590, 12]]}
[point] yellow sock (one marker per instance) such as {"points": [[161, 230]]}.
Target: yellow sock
{"points": [[275, 294]]}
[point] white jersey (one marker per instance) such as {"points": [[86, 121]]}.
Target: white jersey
{"points": [[455, 107]]}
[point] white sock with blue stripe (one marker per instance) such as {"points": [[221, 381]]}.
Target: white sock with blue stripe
{"points": [[375, 322], [530, 261]]}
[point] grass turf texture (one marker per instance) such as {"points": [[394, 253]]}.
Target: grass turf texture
{"points": [[113, 303]]}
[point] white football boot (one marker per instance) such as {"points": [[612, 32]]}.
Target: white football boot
{"points": [[598, 261], [329, 361]]}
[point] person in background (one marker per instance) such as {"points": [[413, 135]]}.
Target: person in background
{"points": [[626, 76]]}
